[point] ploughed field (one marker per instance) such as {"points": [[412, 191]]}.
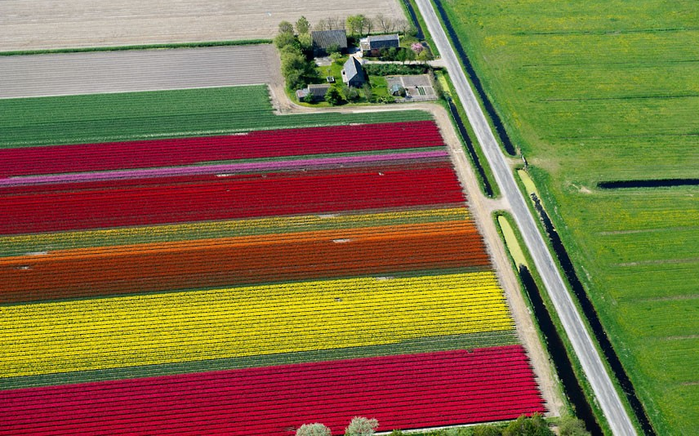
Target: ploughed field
{"points": [[606, 91], [248, 284]]}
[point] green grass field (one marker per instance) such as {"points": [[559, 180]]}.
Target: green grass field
{"points": [[157, 114], [609, 90]]}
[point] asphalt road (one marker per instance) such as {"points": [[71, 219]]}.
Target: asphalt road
{"points": [[588, 356], [137, 70]]}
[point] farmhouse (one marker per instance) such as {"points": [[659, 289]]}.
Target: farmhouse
{"points": [[324, 39], [353, 73], [373, 44], [317, 92]]}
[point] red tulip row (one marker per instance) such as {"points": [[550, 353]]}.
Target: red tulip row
{"points": [[225, 198], [407, 391], [187, 151]]}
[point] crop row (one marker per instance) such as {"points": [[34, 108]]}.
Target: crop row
{"points": [[243, 260], [21, 244], [188, 151], [228, 168], [406, 391], [303, 316], [226, 199]]}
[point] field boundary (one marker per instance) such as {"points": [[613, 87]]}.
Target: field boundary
{"points": [[137, 47]]}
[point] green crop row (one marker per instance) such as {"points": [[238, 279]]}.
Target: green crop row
{"points": [[158, 114]]}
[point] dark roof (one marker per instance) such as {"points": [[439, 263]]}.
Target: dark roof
{"points": [[353, 70], [326, 38], [383, 41], [318, 90]]}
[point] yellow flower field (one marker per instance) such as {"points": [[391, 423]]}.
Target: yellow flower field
{"points": [[187, 326]]}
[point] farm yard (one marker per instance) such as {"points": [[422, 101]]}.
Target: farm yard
{"points": [[185, 259], [81, 23], [607, 91]]}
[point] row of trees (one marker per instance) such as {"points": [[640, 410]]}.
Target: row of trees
{"points": [[357, 25], [522, 426], [297, 68], [357, 427]]}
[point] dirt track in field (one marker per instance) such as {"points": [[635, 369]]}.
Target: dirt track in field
{"points": [[137, 70], [49, 24]]}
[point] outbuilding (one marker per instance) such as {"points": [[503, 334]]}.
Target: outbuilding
{"points": [[373, 44]]}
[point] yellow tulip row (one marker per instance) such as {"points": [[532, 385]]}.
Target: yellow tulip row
{"points": [[294, 317]]}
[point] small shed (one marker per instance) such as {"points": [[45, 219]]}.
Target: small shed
{"points": [[317, 92], [373, 44], [353, 73], [323, 39]]}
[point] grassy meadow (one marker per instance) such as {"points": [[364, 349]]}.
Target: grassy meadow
{"points": [[609, 90]]}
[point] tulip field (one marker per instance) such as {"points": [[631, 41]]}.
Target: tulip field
{"points": [[246, 284]]}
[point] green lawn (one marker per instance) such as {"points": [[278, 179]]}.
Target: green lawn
{"points": [[609, 90], [138, 115]]}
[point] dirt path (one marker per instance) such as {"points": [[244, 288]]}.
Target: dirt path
{"points": [[481, 208], [49, 24]]}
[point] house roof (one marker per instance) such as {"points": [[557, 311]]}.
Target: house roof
{"points": [[353, 70], [383, 37], [383, 41], [326, 38]]}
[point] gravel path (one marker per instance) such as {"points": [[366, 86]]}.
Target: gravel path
{"points": [[583, 345], [137, 70]]}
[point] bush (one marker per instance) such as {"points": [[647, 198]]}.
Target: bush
{"points": [[393, 69], [571, 426], [315, 429], [333, 96], [523, 426], [360, 426], [333, 48]]}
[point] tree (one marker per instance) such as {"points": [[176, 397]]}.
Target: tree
{"points": [[322, 25], [305, 42], [360, 426], [285, 39], [368, 25], [333, 96], [571, 426], [315, 429], [523, 426], [296, 69], [368, 92], [286, 27], [356, 24], [302, 26], [486, 430], [333, 48], [384, 23], [350, 93]]}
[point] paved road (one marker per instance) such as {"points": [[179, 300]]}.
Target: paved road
{"points": [[582, 343], [137, 70]]}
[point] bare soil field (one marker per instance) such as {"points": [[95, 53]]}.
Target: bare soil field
{"points": [[50, 24], [138, 70]]}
